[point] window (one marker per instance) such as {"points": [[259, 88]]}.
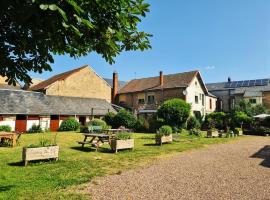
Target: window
{"points": [[253, 101], [210, 103], [196, 99], [21, 117], [151, 99], [140, 101], [54, 117], [203, 99]]}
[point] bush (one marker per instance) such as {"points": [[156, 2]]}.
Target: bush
{"points": [[195, 132], [123, 136], [192, 123], [124, 118], [215, 120], [35, 129], [249, 109], [84, 129], [139, 126], [266, 122], [5, 128], [69, 124], [109, 117], [165, 130], [174, 112], [98, 122], [239, 118]]}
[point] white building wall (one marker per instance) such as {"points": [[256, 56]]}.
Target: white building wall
{"points": [[30, 123], [10, 123], [195, 89], [214, 104]]}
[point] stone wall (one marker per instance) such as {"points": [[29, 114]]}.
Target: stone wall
{"points": [[84, 83]]}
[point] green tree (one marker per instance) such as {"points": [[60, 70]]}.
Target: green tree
{"points": [[239, 118], [33, 30], [249, 109], [174, 112], [124, 118]]}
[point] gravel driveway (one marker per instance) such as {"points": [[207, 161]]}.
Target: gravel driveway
{"points": [[237, 170]]}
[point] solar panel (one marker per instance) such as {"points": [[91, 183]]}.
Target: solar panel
{"points": [[258, 82], [227, 84], [265, 81], [251, 83], [246, 83], [233, 85], [239, 83]]}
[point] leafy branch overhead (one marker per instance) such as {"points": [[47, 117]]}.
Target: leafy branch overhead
{"points": [[33, 30]]}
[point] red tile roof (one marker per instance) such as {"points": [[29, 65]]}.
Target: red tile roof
{"points": [[44, 84], [152, 83]]}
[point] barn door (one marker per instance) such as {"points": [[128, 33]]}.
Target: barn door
{"points": [[54, 124], [21, 123]]}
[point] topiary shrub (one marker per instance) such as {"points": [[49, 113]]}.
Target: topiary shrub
{"points": [[98, 122], [174, 112], [108, 118], [5, 128], [124, 118], [35, 129], [193, 123], [69, 124]]}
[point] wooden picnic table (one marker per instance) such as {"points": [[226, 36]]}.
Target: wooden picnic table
{"points": [[116, 130], [9, 136], [96, 139]]}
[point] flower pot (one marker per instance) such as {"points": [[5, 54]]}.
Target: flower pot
{"points": [[121, 144], [164, 139], [212, 133], [40, 153]]}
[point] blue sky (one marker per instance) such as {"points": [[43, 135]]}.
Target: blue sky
{"points": [[220, 38]]}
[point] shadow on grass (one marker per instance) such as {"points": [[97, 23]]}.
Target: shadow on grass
{"points": [[21, 163], [84, 149], [263, 153], [151, 144], [6, 188]]}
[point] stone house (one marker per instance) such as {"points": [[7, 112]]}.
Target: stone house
{"points": [[144, 96], [81, 82], [21, 109], [231, 92]]}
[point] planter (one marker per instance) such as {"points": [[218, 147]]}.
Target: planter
{"points": [[164, 139], [122, 144], [40, 153], [211, 133]]}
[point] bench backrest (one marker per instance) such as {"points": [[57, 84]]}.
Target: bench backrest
{"points": [[95, 129]]}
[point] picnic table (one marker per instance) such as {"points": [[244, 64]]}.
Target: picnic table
{"points": [[8, 136], [95, 139], [116, 130]]}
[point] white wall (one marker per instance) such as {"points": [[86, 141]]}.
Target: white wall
{"points": [[10, 123], [30, 123], [196, 90]]}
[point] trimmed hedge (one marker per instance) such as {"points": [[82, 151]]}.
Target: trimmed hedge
{"points": [[69, 124]]}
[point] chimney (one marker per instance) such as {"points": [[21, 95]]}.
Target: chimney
{"points": [[229, 79], [115, 86], [161, 79]]}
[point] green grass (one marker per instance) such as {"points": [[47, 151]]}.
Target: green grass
{"points": [[54, 180]]}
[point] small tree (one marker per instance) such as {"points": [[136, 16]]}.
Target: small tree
{"points": [[124, 118], [69, 124], [174, 112], [216, 120], [108, 118], [249, 109], [193, 122], [238, 119]]}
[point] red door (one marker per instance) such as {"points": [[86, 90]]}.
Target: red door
{"points": [[54, 124], [20, 124]]}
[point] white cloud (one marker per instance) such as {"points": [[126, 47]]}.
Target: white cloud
{"points": [[209, 67]]}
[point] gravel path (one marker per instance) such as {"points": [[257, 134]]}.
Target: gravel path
{"points": [[237, 170]]}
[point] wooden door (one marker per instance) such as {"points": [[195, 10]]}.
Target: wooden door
{"points": [[20, 123], [82, 120], [54, 125]]}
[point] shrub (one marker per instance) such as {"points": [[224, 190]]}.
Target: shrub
{"points": [[165, 130], [84, 129], [215, 120], [123, 136], [195, 132], [98, 122], [35, 129], [249, 109], [69, 124], [5, 128], [239, 118], [139, 126], [266, 122], [192, 123], [174, 112], [124, 118], [108, 118]]}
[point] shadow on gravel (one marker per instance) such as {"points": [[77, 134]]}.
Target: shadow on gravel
{"points": [[263, 153]]}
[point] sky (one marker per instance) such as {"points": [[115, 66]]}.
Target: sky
{"points": [[220, 38]]}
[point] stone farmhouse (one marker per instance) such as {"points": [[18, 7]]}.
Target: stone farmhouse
{"points": [[143, 96], [79, 93], [231, 92]]}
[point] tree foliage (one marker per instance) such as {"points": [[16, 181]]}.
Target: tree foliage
{"points": [[33, 30], [174, 112], [69, 124], [249, 109]]}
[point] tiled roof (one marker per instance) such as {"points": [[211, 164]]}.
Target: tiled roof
{"points": [[44, 84], [110, 82], [36, 103], [152, 83]]}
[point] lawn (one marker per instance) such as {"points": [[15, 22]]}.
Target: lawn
{"points": [[53, 180]]}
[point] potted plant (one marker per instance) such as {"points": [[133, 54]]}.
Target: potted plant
{"points": [[46, 149], [122, 140], [212, 132], [238, 131], [164, 135]]}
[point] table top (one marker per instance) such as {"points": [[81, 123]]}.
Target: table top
{"points": [[95, 135], [2, 133]]}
